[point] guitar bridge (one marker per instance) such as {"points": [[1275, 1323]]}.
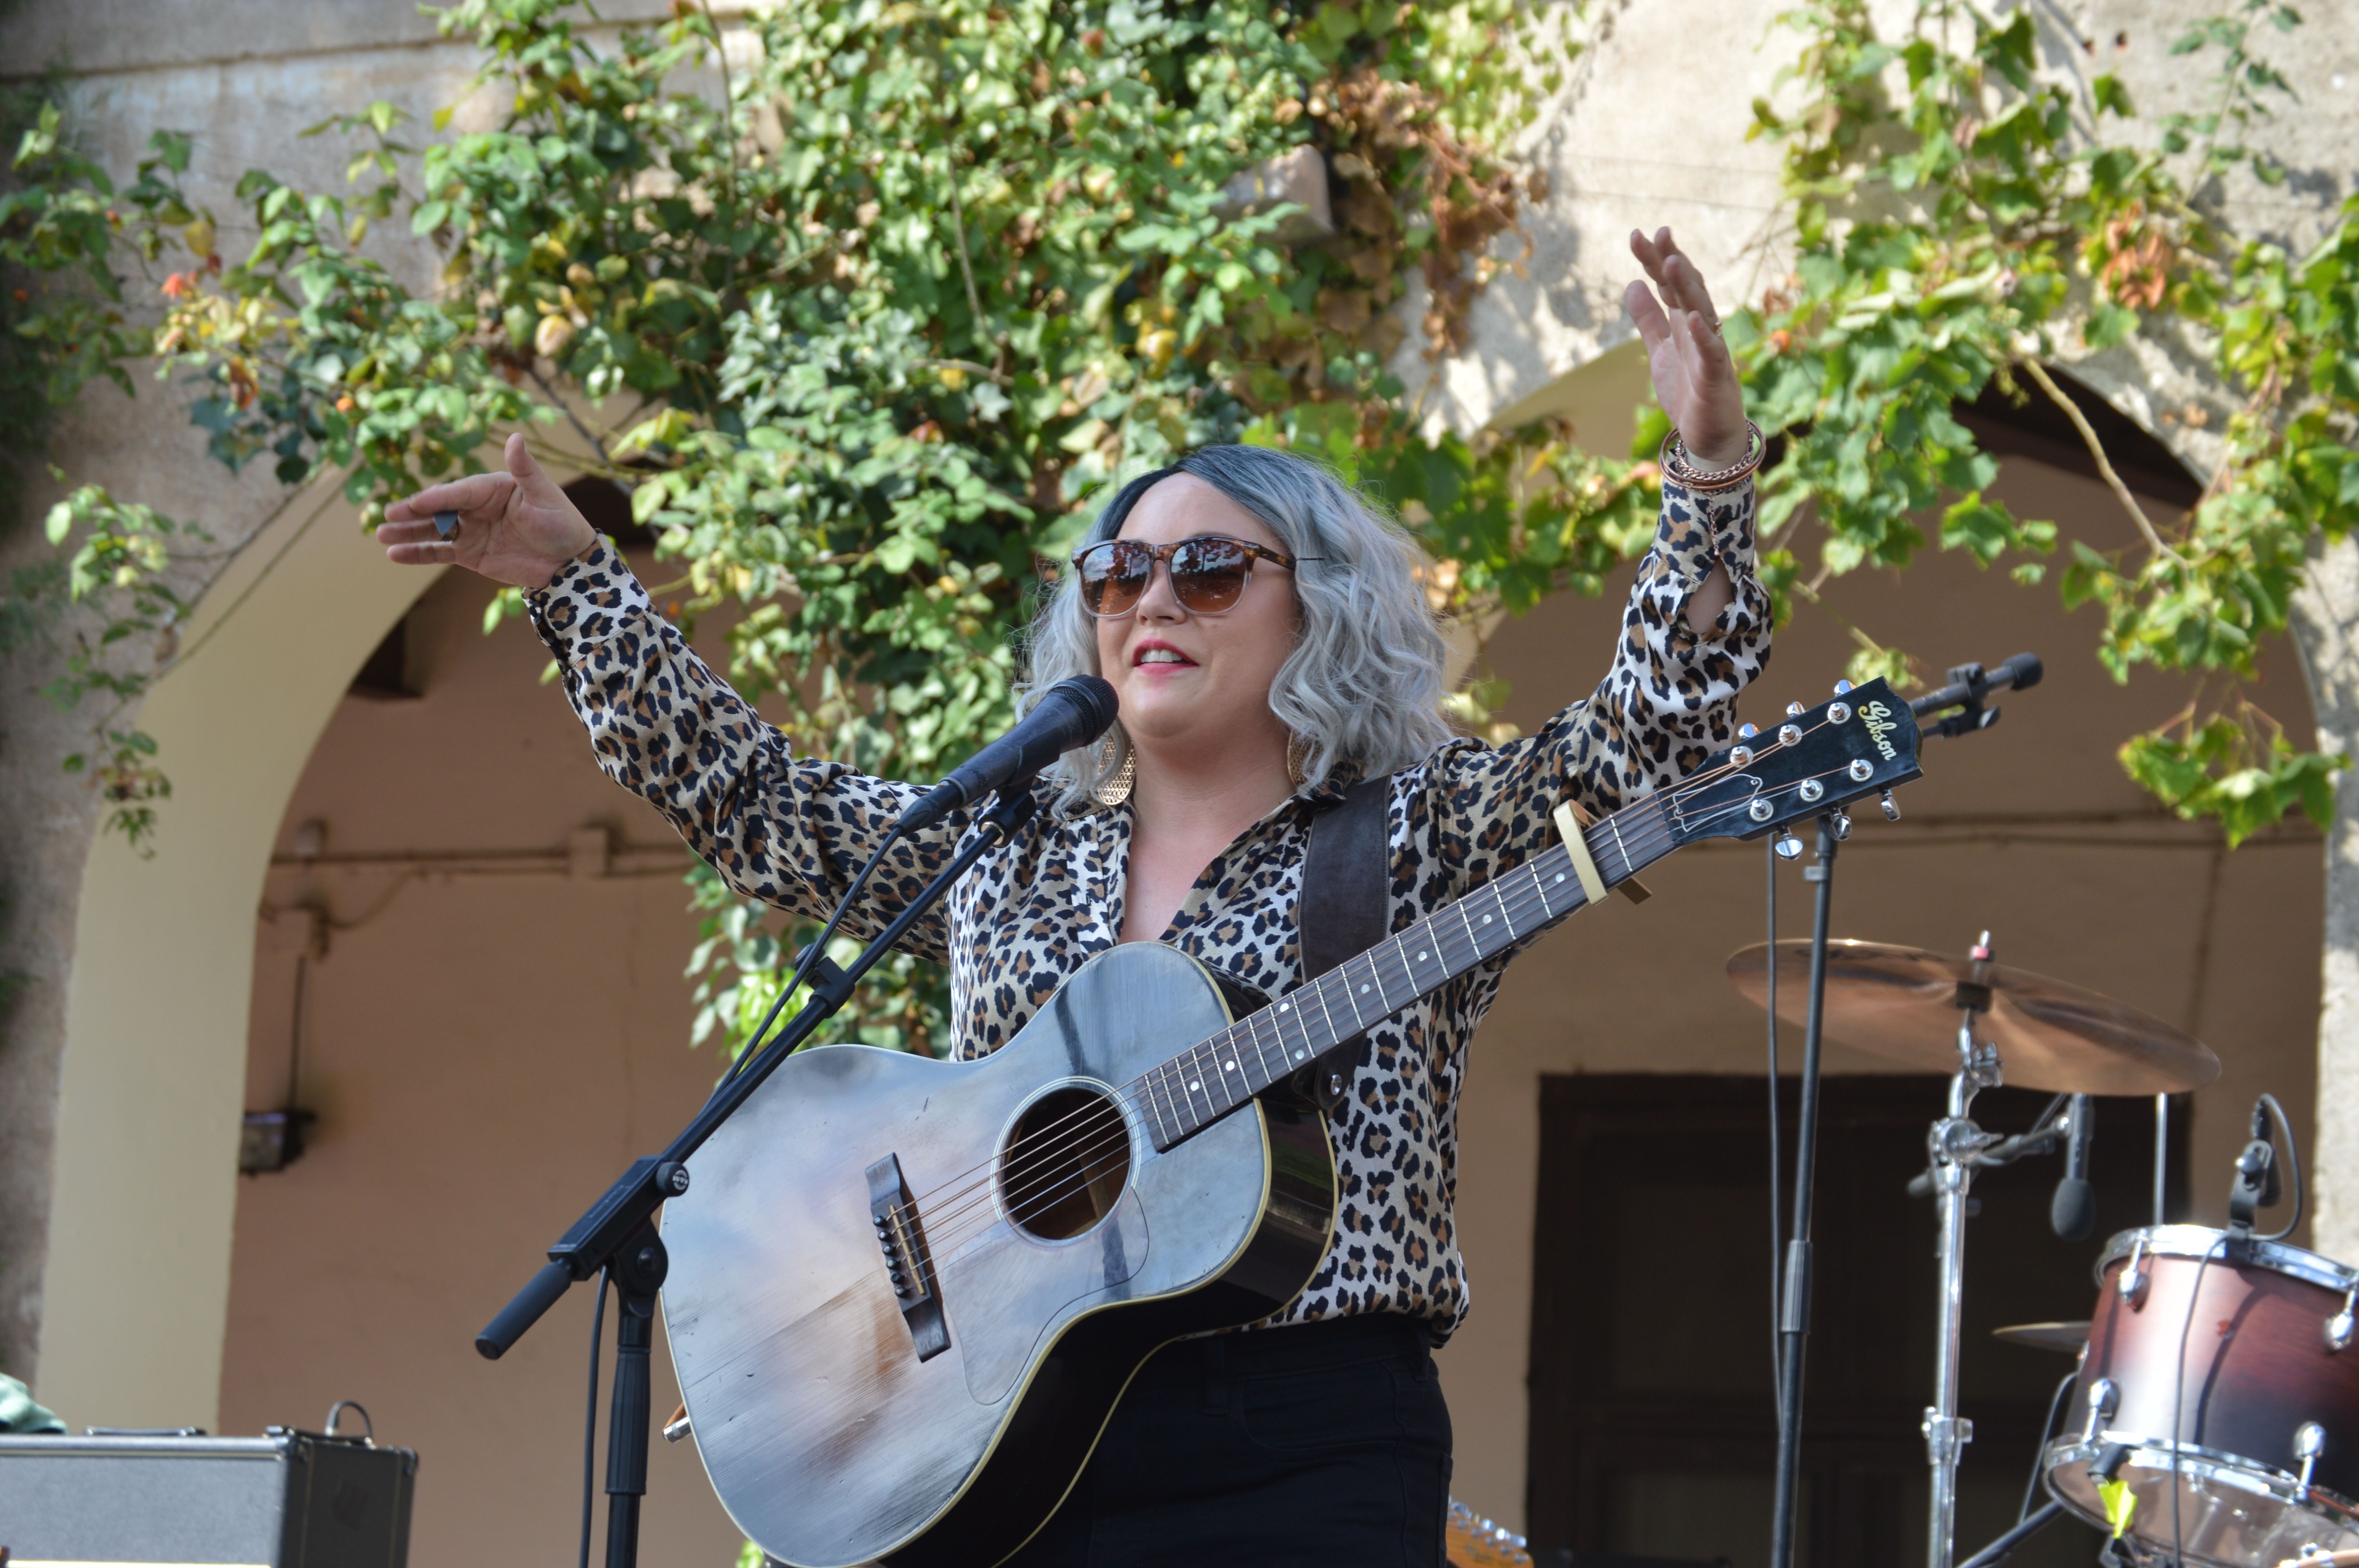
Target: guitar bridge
{"points": [[907, 1263]]}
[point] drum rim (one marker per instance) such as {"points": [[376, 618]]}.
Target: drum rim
{"points": [[2195, 1458], [2202, 1240]]}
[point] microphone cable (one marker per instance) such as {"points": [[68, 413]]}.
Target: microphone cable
{"points": [[2293, 1168], [1776, 1207], [2040, 1455], [811, 957], [589, 1417]]}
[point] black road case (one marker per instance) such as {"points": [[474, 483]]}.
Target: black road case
{"points": [[286, 1499]]}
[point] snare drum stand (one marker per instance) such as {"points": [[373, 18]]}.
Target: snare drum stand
{"points": [[1953, 1142]]}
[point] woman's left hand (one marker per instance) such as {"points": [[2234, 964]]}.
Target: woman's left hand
{"points": [[1695, 380]]}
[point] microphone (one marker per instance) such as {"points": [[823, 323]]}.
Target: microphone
{"points": [[1071, 713], [1969, 684], [2072, 1212]]}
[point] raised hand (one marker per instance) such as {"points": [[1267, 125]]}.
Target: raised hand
{"points": [[515, 527], [1695, 380]]}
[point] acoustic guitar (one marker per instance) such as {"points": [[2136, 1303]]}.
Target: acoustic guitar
{"points": [[906, 1294]]}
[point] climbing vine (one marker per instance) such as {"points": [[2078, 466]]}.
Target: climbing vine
{"points": [[1959, 220], [65, 321], [867, 329]]}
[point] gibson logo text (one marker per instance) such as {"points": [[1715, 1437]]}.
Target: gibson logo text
{"points": [[1878, 719]]}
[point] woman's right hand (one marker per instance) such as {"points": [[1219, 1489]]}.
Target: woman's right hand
{"points": [[516, 527]]}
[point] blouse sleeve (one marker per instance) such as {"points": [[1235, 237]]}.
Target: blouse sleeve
{"points": [[793, 831], [1667, 701]]}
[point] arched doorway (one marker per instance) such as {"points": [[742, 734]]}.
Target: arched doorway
{"points": [[137, 1281]]}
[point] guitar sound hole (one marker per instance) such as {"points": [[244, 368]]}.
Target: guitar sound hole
{"points": [[1065, 1164]]}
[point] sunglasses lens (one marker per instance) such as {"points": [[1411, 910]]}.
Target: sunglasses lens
{"points": [[1112, 576], [1209, 574]]}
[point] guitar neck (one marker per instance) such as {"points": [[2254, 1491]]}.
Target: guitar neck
{"points": [[1215, 1077]]}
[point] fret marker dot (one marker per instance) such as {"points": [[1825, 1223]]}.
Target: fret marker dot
{"points": [[1364, 990], [1298, 1055], [1420, 958], [1228, 1066], [1192, 1087], [1286, 1007], [1559, 876], [1486, 920]]}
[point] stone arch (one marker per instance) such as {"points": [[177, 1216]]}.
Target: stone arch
{"points": [[137, 1281]]}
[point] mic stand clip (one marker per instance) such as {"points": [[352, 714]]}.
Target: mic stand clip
{"points": [[618, 1231]]}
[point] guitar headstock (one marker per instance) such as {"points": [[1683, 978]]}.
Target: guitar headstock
{"points": [[1862, 741], [1478, 1543]]}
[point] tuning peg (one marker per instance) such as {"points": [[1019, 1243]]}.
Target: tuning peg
{"points": [[1841, 823], [1790, 847], [1842, 689], [1795, 710], [1746, 731], [1891, 807]]}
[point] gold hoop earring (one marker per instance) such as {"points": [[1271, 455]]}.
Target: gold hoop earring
{"points": [[1298, 756], [1116, 789]]}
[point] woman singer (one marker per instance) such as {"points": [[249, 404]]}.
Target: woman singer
{"points": [[1269, 644]]}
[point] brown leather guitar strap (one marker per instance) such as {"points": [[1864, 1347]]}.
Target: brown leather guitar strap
{"points": [[1345, 907]]}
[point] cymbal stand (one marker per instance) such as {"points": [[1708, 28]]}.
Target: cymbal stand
{"points": [[1953, 1142]]}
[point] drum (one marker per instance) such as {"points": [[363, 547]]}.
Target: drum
{"points": [[2221, 1370]]}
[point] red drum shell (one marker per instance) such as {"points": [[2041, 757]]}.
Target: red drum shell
{"points": [[2257, 1367]]}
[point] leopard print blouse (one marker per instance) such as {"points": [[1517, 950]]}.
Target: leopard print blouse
{"points": [[793, 831]]}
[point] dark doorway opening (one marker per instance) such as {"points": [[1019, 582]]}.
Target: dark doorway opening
{"points": [[1653, 1421]]}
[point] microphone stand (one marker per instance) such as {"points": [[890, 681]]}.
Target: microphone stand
{"points": [[619, 1231], [1794, 1294]]}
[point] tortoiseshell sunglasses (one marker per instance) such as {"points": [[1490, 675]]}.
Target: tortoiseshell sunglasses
{"points": [[1209, 573]]}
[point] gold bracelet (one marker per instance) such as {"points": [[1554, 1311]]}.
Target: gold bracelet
{"points": [[1681, 470]]}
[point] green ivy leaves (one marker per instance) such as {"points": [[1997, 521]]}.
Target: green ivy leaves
{"points": [[1954, 235]]}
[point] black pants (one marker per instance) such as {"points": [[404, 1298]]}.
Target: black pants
{"points": [[1304, 1447]]}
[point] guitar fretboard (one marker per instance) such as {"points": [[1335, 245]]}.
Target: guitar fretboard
{"points": [[1215, 1077]]}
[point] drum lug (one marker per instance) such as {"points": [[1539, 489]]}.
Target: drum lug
{"points": [[2104, 1398], [2339, 1328], [2133, 1282], [2309, 1442]]}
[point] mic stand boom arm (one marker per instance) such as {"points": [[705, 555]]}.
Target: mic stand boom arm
{"points": [[618, 1230]]}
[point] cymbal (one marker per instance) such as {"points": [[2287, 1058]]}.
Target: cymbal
{"points": [[1901, 1003], [2066, 1337]]}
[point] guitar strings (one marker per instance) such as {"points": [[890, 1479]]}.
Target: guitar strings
{"points": [[1652, 832], [1058, 1168], [1650, 835], [1081, 1159], [1062, 1166]]}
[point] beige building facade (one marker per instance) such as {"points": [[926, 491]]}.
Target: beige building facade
{"points": [[473, 963]]}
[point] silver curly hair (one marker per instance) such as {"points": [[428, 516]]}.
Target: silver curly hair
{"points": [[1363, 686]]}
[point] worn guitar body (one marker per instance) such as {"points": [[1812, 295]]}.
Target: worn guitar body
{"points": [[827, 1436]]}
